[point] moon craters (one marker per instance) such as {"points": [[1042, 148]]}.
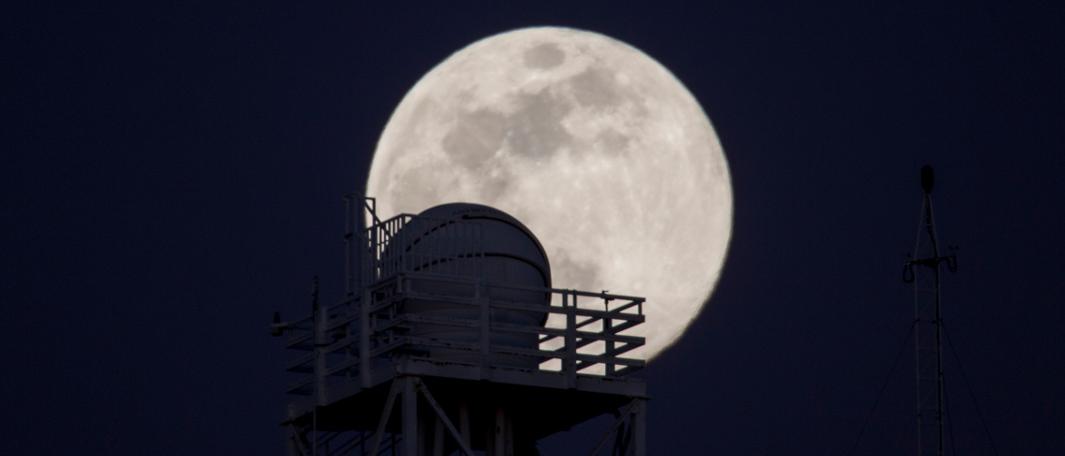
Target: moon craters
{"points": [[595, 87], [485, 142], [476, 138], [612, 142], [544, 56], [536, 129]]}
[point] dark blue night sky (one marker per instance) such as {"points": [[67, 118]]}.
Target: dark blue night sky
{"points": [[172, 174]]}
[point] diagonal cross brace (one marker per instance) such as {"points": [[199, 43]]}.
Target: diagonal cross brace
{"points": [[386, 413], [443, 418], [622, 415]]}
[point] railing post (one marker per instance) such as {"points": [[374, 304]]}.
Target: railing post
{"points": [[369, 261], [375, 254], [610, 367], [608, 324], [569, 364]]}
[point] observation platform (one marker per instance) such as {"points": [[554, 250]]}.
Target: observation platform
{"points": [[358, 357], [585, 358]]}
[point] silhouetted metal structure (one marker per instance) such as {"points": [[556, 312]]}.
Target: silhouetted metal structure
{"points": [[923, 270], [451, 339]]}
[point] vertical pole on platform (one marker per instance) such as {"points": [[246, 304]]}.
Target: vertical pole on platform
{"points": [[608, 330], [569, 363], [365, 260]]}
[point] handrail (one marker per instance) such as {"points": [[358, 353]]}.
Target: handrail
{"points": [[590, 340]]}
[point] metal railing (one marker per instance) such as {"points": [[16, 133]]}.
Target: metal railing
{"points": [[432, 247], [585, 333], [568, 332]]}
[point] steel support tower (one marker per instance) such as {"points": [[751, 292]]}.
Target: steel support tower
{"points": [[923, 270], [369, 385]]}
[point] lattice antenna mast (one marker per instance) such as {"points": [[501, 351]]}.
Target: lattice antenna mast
{"points": [[923, 270]]}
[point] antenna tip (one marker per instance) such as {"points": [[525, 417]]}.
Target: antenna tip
{"points": [[928, 178]]}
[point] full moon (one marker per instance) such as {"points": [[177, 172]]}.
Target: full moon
{"points": [[592, 144]]}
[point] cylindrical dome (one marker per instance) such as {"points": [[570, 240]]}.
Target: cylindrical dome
{"points": [[472, 241]]}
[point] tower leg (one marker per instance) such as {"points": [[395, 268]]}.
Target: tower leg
{"points": [[639, 428], [502, 438], [499, 433], [410, 418], [464, 423], [438, 438]]}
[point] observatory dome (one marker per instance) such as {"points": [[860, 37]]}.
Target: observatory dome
{"points": [[509, 253], [477, 252]]}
